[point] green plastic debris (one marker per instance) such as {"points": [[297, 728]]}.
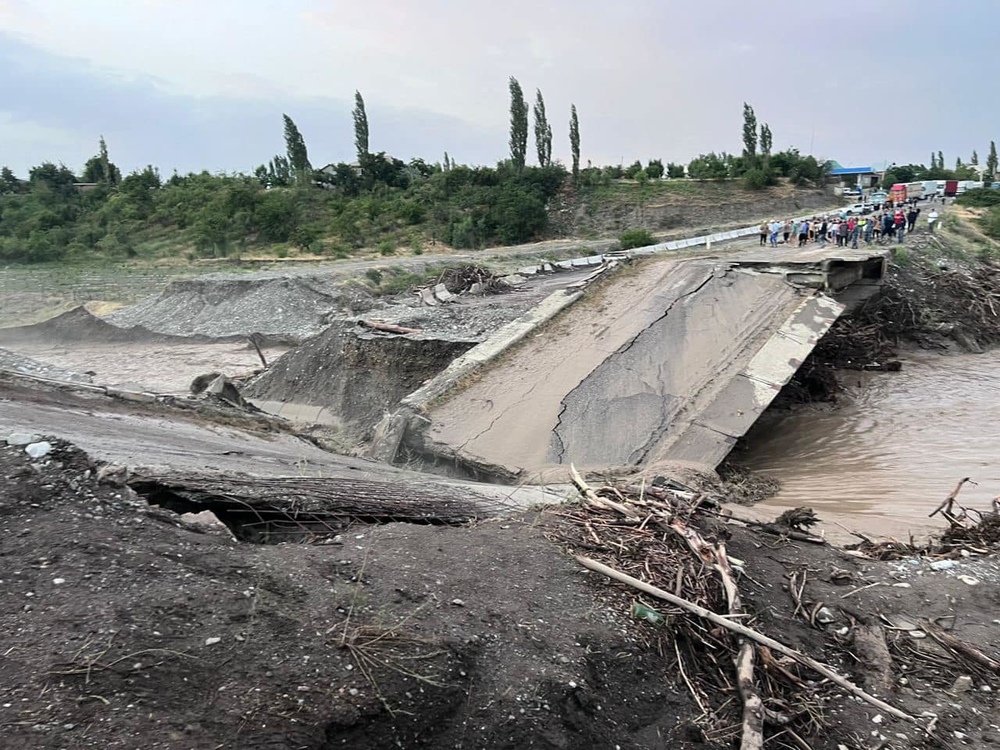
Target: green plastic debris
{"points": [[648, 614]]}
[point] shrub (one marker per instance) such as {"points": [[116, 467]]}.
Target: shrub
{"points": [[980, 198], [990, 223], [636, 238], [675, 171], [755, 179]]}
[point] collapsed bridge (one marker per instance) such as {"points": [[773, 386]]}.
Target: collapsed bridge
{"points": [[664, 363]]}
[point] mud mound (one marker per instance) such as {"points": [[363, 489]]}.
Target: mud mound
{"points": [[79, 326], [357, 376], [296, 307], [17, 363], [126, 628]]}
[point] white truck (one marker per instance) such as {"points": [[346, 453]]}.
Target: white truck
{"points": [[931, 189]]}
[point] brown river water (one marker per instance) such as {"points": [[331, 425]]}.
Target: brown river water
{"points": [[893, 448]]}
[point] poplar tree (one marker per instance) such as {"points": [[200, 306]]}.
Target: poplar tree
{"points": [[766, 141], [574, 139], [360, 126], [991, 161], [518, 125], [295, 147], [749, 136], [543, 132]]}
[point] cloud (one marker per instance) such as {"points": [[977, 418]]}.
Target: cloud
{"points": [[72, 103], [191, 83]]}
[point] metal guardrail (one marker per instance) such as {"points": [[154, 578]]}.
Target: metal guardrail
{"points": [[661, 247]]}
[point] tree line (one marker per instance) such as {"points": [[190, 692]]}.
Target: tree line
{"points": [[377, 200], [937, 171]]}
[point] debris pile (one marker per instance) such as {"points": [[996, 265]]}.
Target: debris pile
{"points": [[473, 280], [669, 548], [970, 531], [648, 534]]}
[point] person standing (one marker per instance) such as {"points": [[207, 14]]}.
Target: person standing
{"points": [[911, 218], [932, 218], [869, 229], [763, 234], [787, 230], [803, 233], [824, 228], [775, 230]]}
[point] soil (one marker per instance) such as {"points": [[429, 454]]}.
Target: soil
{"points": [[128, 626], [358, 376]]}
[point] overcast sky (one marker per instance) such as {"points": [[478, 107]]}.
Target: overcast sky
{"points": [[190, 85]]}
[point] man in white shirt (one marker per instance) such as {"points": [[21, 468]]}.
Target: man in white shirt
{"points": [[932, 219]]}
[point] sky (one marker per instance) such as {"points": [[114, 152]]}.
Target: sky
{"points": [[192, 85]]}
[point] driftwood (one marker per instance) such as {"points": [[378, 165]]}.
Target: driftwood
{"points": [[746, 632], [387, 327], [256, 345], [948, 502], [970, 653]]}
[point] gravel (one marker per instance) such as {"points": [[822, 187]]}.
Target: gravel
{"points": [[18, 363]]}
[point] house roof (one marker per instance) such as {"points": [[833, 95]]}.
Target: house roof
{"points": [[841, 171]]}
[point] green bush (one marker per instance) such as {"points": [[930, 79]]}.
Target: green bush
{"points": [[636, 238], [755, 179], [990, 223], [980, 198], [675, 171]]}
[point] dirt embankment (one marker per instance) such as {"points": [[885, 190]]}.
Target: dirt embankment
{"points": [[358, 376], [693, 208], [127, 625], [220, 306], [80, 327]]}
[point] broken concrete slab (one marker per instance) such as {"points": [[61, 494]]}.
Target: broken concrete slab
{"points": [[672, 362], [442, 294]]}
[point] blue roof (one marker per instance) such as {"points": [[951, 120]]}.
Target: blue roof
{"points": [[851, 170]]}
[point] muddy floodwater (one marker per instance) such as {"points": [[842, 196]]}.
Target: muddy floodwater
{"points": [[892, 450]]}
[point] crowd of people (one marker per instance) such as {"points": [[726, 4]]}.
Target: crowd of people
{"points": [[847, 230]]}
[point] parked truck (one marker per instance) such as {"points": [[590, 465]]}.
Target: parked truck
{"points": [[951, 188], [914, 190], [897, 193], [931, 189]]}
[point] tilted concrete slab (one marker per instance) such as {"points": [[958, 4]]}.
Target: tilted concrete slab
{"points": [[669, 362], [718, 419]]}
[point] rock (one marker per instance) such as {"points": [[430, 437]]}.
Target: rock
{"points": [[942, 565], [962, 685], [824, 616], [113, 474], [38, 450], [207, 520], [969, 580], [21, 438], [212, 641], [458, 602]]}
